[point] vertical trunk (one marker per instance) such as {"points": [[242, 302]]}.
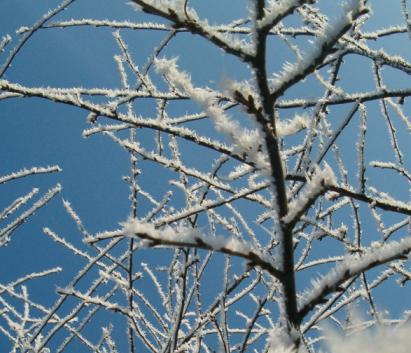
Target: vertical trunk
{"points": [[277, 174]]}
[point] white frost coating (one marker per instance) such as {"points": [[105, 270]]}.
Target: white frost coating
{"points": [[393, 166], [275, 10], [4, 41], [25, 172], [247, 142], [111, 23], [133, 228], [279, 341], [384, 339], [171, 163], [161, 4], [134, 6], [354, 264], [318, 183], [292, 126], [187, 236], [380, 164], [239, 171], [330, 35], [17, 203], [181, 13], [38, 344], [400, 113], [383, 197], [176, 6], [115, 277], [7, 230], [71, 212], [379, 55], [97, 300], [246, 87], [22, 29], [230, 39], [72, 94]]}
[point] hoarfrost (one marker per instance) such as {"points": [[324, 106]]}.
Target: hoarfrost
{"points": [[317, 184], [384, 339]]}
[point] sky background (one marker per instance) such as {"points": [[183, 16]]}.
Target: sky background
{"points": [[36, 132]]}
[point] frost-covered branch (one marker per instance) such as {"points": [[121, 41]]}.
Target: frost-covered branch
{"points": [[352, 266], [30, 32], [348, 98], [277, 11], [151, 237], [6, 231], [323, 47], [316, 186], [243, 181], [174, 12], [26, 172]]}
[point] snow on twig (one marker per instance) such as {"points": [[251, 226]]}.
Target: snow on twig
{"points": [[4, 41], [293, 73], [247, 142], [352, 266], [25, 172], [275, 11], [188, 237], [292, 126], [17, 203], [317, 185], [11, 227], [30, 32], [186, 17]]}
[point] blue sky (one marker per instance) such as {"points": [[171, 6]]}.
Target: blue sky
{"points": [[36, 132]]}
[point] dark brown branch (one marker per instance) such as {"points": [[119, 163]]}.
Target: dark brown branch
{"points": [[267, 120]]}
